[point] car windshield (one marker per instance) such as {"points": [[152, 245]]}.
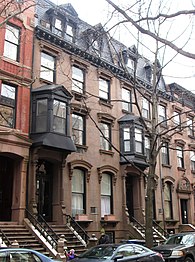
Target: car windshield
{"points": [[181, 239], [99, 252]]}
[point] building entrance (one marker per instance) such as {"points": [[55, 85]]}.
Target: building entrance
{"points": [[130, 196], [184, 211], [44, 189], [6, 187]]}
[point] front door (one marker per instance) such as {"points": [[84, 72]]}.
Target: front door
{"points": [[44, 190], [129, 196], [6, 187], [184, 211]]}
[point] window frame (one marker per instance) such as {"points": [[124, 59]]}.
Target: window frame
{"points": [[145, 108], [106, 87], [82, 82], [126, 103], [82, 194], [138, 142], [168, 200], [9, 102], [81, 132], [165, 156], [12, 44], [192, 160], [61, 116], [177, 118], [50, 69], [180, 156], [190, 127], [162, 117], [104, 144], [107, 194], [126, 141]]}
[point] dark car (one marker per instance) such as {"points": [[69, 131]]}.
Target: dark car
{"points": [[119, 252], [178, 248], [22, 254], [133, 241]]}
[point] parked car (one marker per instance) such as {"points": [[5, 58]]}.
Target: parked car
{"points": [[134, 241], [23, 254], [178, 248], [119, 252]]}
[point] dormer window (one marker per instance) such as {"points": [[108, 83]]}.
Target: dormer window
{"points": [[69, 33], [130, 63], [58, 27]]}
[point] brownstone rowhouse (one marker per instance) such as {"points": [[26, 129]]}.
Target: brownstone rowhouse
{"points": [[15, 80], [76, 68]]}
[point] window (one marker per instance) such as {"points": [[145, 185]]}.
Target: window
{"points": [[58, 27], [165, 154], [176, 118], [59, 116], [7, 105], [12, 41], [41, 115], [190, 128], [22, 256], [168, 200], [180, 157], [78, 132], [145, 108], [126, 139], [105, 137], [162, 114], [104, 89], [69, 32], [130, 63], [78, 79], [78, 192], [147, 147], [126, 97], [138, 141], [192, 160], [47, 67], [106, 194]]}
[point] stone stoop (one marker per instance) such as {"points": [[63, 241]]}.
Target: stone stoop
{"points": [[15, 232], [72, 241]]}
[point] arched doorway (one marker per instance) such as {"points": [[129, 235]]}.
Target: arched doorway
{"points": [[6, 187]]}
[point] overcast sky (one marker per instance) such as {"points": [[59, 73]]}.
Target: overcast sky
{"points": [[181, 70]]}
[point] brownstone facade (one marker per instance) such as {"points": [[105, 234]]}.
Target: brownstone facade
{"points": [[87, 152]]}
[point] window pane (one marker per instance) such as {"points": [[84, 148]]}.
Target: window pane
{"points": [[77, 129], [41, 116], [59, 116], [12, 34], [126, 96], [104, 88], [47, 67], [8, 91], [10, 51], [69, 30], [6, 116], [77, 79], [106, 184], [77, 192], [106, 194], [104, 144], [58, 24]]}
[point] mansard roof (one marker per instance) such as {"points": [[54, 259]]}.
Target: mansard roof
{"points": [[111, 52]]}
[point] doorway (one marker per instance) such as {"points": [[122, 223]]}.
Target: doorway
{"points": [[130, 196], [44, 192], [184, 211], [6, 187]]}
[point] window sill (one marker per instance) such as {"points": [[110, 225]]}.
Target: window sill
{"points": [[105, 103], [192, 137], [127, 112], [181, 169], [81, 148], [166, 165], [106, 152], [78, 96]]}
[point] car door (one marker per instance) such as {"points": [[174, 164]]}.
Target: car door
{"points": [[4, 257], [126, 253]]}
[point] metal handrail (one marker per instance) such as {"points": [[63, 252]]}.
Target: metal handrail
{"points": [[70, 220], [44, 229], [4, 237], [160, 229]]}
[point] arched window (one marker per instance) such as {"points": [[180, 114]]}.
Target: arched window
{"points": [[78, 192], [168, 201]]}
